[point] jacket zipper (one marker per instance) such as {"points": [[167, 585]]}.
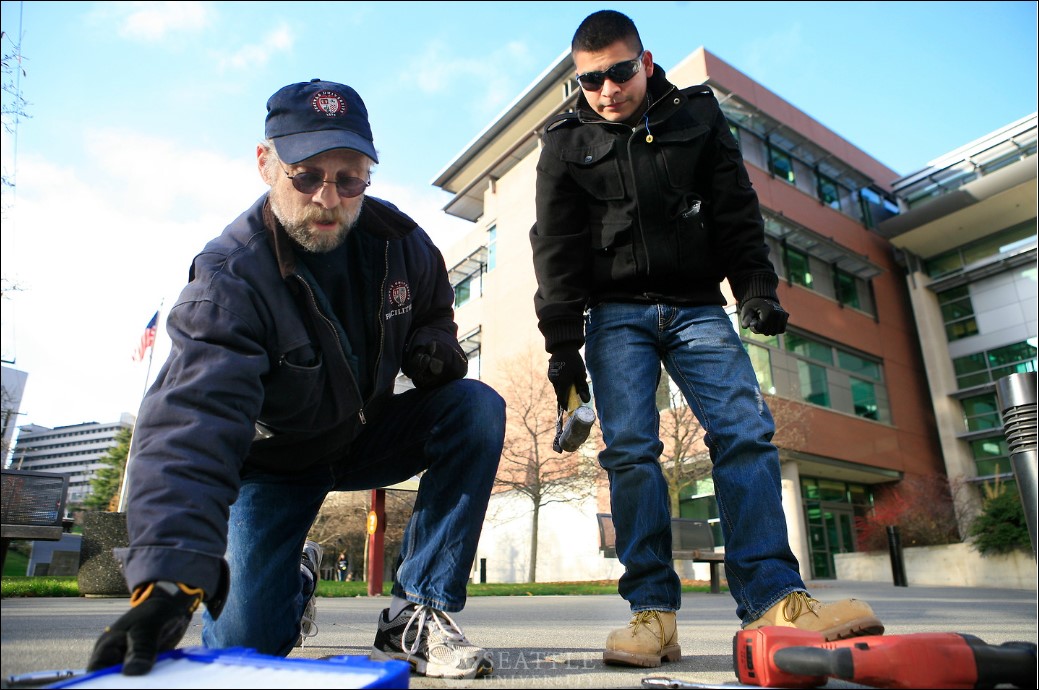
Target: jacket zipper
{"points": [[631, 168]]}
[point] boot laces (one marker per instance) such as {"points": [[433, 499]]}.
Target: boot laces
{"points": [[798, 603], [644, 618]]}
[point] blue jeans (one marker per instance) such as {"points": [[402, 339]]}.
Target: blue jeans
{"points": [[625, 347], [454, 432]]}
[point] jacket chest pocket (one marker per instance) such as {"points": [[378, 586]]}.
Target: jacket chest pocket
{"points": [[681, 151], [596, 168], [293, 390]]}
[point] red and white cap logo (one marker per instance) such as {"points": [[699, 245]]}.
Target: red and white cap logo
{"points": [[330, 103]]}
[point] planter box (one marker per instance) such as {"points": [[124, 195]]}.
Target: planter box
{"points": [[954, 565]]}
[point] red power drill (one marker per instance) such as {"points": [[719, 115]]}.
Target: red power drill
{"points": [[776, 656]]}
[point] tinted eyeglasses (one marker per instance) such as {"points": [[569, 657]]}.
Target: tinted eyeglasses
{"points": [[618, 74], [310, 182]]}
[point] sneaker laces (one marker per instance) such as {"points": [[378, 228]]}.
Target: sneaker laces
{"points": [[307, 628], [798, 603], [451, 631]]}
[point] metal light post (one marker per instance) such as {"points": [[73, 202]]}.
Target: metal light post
{"points": [[1016, 394]]}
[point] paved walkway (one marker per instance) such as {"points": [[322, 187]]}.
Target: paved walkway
{"points": [[541, 642]]}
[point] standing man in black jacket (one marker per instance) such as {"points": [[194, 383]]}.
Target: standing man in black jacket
{"points": [[279, 388], [643, 207]]}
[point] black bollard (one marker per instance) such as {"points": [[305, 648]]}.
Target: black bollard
{"points": [[898, 566], [483, 571]]}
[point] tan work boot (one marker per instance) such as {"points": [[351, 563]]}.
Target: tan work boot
{"points": [[836, 621], [650, 638]]}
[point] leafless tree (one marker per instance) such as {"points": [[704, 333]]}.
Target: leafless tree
{"points": [[685, 459], [529, 466]]}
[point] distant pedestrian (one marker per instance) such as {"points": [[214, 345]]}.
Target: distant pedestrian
{"points": [[342, 567]]}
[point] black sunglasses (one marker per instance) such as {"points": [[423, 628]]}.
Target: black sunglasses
{"points": [[618, 74], [346, 186]]}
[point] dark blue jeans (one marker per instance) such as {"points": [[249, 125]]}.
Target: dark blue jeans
{"points": [[454, 433], [625, 347]]}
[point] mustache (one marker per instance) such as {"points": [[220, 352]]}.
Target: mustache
{"points": [[324, 215]]}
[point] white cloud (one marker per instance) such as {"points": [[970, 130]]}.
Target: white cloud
{"points": [[280, 40], [96, 248], [151, 21], [437, 69]]}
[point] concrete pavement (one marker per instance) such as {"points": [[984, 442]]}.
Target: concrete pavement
{"points": [[541, 642]]}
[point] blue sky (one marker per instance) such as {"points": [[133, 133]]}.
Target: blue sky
{"points": [[143, 121]]}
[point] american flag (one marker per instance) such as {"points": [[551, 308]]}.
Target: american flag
{"points": [[147, 338]]}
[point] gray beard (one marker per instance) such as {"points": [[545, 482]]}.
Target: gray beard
{"points": [[316, 243]]}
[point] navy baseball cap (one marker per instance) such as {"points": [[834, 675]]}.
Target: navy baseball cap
{"points": [[315, 116]]}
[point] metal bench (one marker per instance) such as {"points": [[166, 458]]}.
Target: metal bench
{"points": [[691, 540], [33, 506]]}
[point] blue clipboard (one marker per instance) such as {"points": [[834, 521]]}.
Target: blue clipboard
{"points": [[200, 667]]}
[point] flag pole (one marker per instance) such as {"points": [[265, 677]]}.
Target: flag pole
{"points": [[124, 484], [151, 354]]}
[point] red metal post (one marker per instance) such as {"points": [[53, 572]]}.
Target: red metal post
{"points": [[376, 533]]}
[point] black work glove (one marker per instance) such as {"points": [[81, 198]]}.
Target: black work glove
{"points": [[434, 364], [763, 316], [160, 614], [566, 370]]}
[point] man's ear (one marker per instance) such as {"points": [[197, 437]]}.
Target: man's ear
{"points": [[261, 162], [647, 63]]}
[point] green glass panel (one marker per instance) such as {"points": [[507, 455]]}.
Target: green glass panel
{"points": [[864, 399], [847, 289], [858, 365], [761, 359], [831, 490], [812, 379], [806, 347]]}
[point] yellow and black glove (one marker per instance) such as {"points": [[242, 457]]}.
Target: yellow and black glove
{"points": [[565, 372], [159, 615]]}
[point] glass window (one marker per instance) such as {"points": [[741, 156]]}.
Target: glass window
{"points": [[864, 399], [828, 193], [812, 379], [463, 291], [847, 288], [1018, 358], [780, 164], [761, 358], [992, 456], [971, 370], [980, 412], [1003, 242], [958, 313], [986, 367], [798, 269], [809, 348], [858, 365], [492, 247]]}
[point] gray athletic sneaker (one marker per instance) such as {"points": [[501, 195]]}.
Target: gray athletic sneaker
{"points": [[431, 642], [310, 567]]}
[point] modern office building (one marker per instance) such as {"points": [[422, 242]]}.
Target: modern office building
{"points": [[966, 236], [75, 450], [850, 360], [13, 386]]}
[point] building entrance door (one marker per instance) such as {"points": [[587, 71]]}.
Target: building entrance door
{"points": [[831, 529]]}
